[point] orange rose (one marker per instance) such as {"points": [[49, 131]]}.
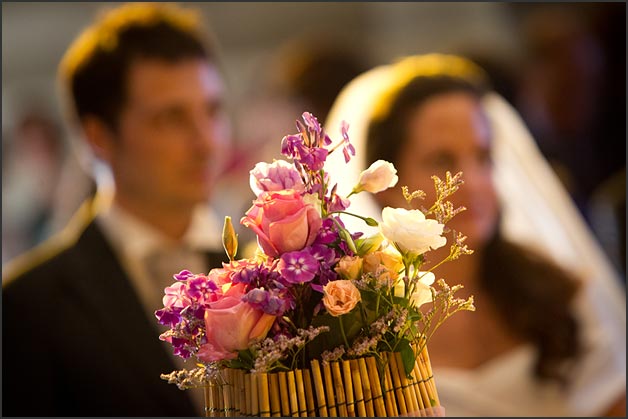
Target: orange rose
{"points": [[340, 297]]}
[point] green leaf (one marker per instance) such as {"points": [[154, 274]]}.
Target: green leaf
{"points": [[407, 355], [368, 244]]}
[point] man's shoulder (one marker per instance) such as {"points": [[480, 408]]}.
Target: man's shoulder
{"points": [[48, 257], [39, 262]]}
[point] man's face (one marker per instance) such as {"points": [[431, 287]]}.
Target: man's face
{"points": [[172, 134]]}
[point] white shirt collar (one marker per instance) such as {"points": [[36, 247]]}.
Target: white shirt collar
{"points": [[136, 238]]}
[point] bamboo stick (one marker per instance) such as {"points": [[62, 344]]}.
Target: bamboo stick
{"points": [[346, 373], [408, 390], [425, 358], [340, 389], [376, 386], [419, 386], [318, 385], [283, 391], [366, 384], [301, 393], [248, 398], [329, 389], [275, 404], [233, 397], [394, 371], [264, 394], [241, 406], [292, 391], [254, 395], [220, 401], [426, 390], [357, 388], [207, 398], [309, 393], [389, 392]]}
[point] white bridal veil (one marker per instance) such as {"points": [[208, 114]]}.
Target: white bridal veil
{"points": [[537, 211]]}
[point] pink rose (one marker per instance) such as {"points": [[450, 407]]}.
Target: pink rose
{"points": [[340, 297], [283, 222], [232, 325]]}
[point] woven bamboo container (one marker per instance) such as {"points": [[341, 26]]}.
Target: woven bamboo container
{"points": [[350, 388]]}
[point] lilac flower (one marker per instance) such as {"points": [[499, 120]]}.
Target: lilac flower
{"points": [[266, 301], [256, 296], [245, 275], [298, 267]]}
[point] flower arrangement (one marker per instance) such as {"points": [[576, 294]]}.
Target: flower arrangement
{"points": [[317, 300]]}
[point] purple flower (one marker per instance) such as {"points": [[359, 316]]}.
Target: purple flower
{"points": [[328, 233], [176, 296], [347, 148], [311, 122], [298, 267], [245, 275], [184, 275], [338, 203], [325, 255], [201, 289], [168, 316], [291, 144], [266, 301], [275, 177]]}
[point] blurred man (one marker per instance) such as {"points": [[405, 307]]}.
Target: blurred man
{"points": [[79, 334]]}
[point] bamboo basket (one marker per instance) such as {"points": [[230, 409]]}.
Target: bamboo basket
{"points": [[349, 388]]}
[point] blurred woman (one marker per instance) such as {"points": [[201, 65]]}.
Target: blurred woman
{"points": [[547, 338]]}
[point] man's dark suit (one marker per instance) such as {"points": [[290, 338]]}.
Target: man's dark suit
{"points": [[76, 340]]}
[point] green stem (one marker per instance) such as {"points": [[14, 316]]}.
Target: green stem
{"points": [[367, 220], [342, 330]]}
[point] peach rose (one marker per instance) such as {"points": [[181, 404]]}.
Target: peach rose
{"points": [[385, 265], [340, 297], [283, 222], [349, 267]]}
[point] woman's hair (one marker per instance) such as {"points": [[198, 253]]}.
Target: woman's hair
{"points": [[532, 294]]}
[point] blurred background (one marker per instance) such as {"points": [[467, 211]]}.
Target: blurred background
{"points": [[562, 65]]}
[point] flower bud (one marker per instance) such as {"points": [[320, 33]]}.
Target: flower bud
{"points": [[380, 176], [229, 239]]}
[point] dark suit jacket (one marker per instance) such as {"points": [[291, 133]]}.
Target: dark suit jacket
{"points": [[76, 340]]}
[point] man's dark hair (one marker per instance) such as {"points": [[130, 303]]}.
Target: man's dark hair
{"points": [[94, 70]]}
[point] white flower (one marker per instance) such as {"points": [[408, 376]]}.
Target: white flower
{"points": [[410, 231], [422, 293], [379, 176]]}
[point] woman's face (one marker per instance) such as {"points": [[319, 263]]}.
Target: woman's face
{"points": [[449, 132]]}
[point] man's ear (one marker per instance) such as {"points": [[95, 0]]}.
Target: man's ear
{"points": [[100, 137]]}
